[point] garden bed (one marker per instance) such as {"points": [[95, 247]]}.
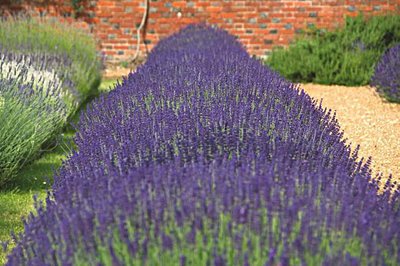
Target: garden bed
{"points": [[210, 148]]}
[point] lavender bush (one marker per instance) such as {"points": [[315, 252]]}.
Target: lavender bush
{"points": [[30, 113], [37, 98], [41, 70], [386, 78], [46, 35], [204, 156], [47, 71]]}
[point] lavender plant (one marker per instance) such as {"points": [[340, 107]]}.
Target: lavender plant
{"points": [[386, 78], [41, 70], [47, 36], [205, 156], [56, 69], [29, 115], [35, 103]]}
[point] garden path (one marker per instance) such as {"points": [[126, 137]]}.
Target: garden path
{"points": [[366, 119]]}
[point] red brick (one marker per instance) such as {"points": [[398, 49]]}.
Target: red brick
{"points": [[106, 3], [227, 15], [261, 31], [179, 4], [202, 4], [121, 47], [213, 9], [352, 14], [110, 52], [116, 9]]}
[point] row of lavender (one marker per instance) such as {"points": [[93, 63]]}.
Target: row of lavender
{"points": [[40, 86], [206, 157]]}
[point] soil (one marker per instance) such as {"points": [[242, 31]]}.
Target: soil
{"points": [[117, 70], [366, 119]]}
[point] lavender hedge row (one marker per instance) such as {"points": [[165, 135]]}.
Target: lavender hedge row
{"points": [[386, 78], [206, 157]]}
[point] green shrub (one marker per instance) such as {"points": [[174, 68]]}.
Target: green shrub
{"points": [[346, 56]]}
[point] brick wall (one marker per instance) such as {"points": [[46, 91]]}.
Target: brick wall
{"points": [[259, 24]]}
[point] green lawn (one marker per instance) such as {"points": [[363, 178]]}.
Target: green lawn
{"points": [[16, 199], [107, 85]]}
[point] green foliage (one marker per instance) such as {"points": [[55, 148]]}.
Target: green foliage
{"points": [[346, 56], [210, 241], [124, 64], [78, 6], [13, 206], [16, 198], [108, 85]]}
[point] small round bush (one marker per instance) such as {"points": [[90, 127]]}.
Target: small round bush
{"points": [[386, 79]]}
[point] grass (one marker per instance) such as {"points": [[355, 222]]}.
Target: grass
{"points": [[16, 199], [107, 85]]}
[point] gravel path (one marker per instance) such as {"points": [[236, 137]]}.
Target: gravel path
{"points": [[366, 119]]}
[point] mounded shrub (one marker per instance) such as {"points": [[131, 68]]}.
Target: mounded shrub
{"points": [[47, 70], [346, 56], [386, 78], [205, 156], [32, 108]]}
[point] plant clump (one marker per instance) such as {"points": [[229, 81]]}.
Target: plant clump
{"points": [[24, 35], [32, 108], [205, 156], [47, 71], [386, 78]]}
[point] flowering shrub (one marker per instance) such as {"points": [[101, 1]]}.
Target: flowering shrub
{"points": [[35, 102], [386, 78], [30, 113], [49, 37], [47, 71], [204, 156], [40, 71]]}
